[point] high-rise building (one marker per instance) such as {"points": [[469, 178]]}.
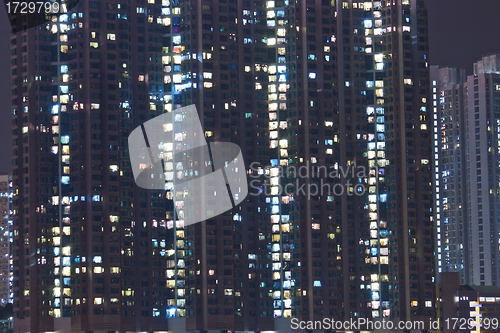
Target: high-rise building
{"points": [[344, 85], [91, 249], [5, 239], [449, 98], [328, 101], [483, 151], [467, 174]]}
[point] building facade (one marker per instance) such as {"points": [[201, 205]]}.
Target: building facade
{"points": [[5, 239], [326, 99], [337, 95], [466, 137], [449, 97], [91, 250], [467, 308]]}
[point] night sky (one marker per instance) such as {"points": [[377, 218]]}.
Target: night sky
{"points": [[460, 32]]}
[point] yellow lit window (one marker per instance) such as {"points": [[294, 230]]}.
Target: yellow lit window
{"points": [[177, 78]]}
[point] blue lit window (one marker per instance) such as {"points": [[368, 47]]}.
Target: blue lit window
{"points": [[66, 261], [171, 313], [312, 75], [65, 180]]}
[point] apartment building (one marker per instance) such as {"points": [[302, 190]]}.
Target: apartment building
{"points": [[306, 85], [466, 127]]}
